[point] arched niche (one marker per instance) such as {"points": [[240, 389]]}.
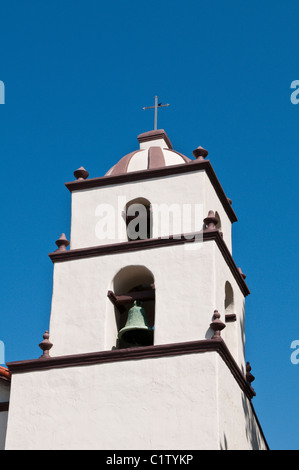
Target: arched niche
{"points": [[229, 298], [138, 218], [133, 283]]}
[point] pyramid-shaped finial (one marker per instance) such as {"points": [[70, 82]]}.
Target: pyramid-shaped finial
{"points": [[62, 243], [81, 174], [242, 274], [211, 221], [249, 377], [200, 153], [217, 325], [46, 345]]}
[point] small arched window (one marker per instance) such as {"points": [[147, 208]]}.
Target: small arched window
{"points": [[229, 303], [138, 216], [231, 332]]}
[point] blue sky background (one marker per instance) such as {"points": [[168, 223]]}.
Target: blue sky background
{"points": [[77, 74]]}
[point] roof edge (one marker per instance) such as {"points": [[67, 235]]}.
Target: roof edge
{"points": [[5, 374], [150, 243], [193, 165], [145, 352], [154, 135]]}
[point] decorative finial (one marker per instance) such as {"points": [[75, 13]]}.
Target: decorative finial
{"points": [[242, 274], [217, 325], [249, 377], [62, 243], [200, 153], [211, 221], [45, 346], [81, 174]]}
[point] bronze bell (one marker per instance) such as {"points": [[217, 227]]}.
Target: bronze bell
{"points": [[137, 331]]}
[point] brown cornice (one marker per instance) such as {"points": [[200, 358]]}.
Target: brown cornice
{"points": [[147, 352], [154, 135], [196, 165], [136, 245], [215, 235]]}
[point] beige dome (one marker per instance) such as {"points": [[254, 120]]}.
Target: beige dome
{"points": [[155, 152]]}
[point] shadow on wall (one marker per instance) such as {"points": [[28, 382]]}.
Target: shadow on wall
{"points": [[252, 429], [223, 444], [253, 436], [242, 329]]}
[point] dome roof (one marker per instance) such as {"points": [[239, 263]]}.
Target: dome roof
{"points": [[155, 152]]}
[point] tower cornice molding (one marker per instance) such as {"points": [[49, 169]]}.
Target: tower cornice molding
{"points": [[147, 352], [193, 166], [151, 243]]}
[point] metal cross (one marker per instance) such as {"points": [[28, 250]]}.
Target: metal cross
{"points": [[160, 105]]}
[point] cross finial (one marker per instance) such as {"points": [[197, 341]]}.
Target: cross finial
{"points": [[157, 105]]}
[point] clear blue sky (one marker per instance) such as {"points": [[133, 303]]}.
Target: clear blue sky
{"points": [[77, 74]]}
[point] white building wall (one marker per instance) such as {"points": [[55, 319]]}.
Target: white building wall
{"points": [[183, 402], [92, 207], [189, 287], [212, 202], [234, 333], [165, 403], [242, 433]]}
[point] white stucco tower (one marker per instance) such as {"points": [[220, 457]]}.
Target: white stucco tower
{"points": [[188, 386]]}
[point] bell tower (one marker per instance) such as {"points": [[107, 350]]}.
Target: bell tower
{"points": [[148, 308]]}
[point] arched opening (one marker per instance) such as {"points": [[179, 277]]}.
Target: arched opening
{"points": [[133, 297], [138, 217], [229, 301], [231, 330]]}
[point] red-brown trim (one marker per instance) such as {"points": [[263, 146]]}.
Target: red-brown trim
{"points": [[148, 352], [154, 135], [4, 374], [155, 157], [151, 243], [217, 237], [122, 166], [4, 406], [119, 301], [193, 165], [230, 317]]}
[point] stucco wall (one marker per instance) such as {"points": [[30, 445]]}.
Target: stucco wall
{"points": [[236, 434], [234, 333], [183, 402], [165, 403], [193, 189], [189, 287]]}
